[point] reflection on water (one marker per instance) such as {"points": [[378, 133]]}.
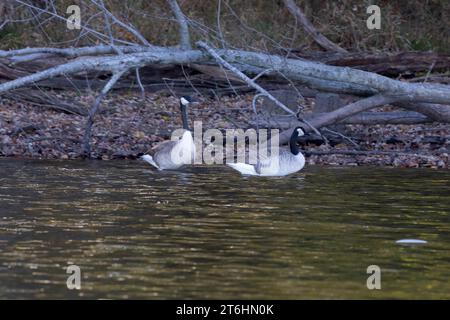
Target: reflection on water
{"points": [[207, 232]]}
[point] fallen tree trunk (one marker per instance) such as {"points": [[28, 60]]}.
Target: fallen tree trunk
{"points": [[345, 112], [367, 104], [320, 74], [437, 112], [316, 74], [394, 117], [389, 64], [110, 63], [365, 118], [18, 55]]}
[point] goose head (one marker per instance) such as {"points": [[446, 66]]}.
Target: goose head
{"points": [[185, 101], [307, 138], [298, 132]]}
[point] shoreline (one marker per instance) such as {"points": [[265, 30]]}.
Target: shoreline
{"points": [[129, 126], [366, 162]]}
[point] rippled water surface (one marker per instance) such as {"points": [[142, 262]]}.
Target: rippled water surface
{"points": [[207, 232]]}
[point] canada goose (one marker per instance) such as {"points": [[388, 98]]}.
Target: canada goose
{"points": [[286, 162], [174, 154]]}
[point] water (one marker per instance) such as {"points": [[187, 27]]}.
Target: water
{"points": [[207, 232]]}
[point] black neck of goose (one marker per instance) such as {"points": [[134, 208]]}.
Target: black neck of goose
{"points": [[293, 145], [184, 116]]}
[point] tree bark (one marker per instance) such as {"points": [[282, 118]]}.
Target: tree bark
{"points": [[437, 112], [341, 79], [390, 64], [365, 118], [185, 39]]}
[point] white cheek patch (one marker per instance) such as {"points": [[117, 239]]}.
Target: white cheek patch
{"points": [[300, 132], [184, 102]]}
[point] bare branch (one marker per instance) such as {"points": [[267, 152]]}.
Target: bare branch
{"points": [[347, 111], [70, 52], [437, 112], [342, 136], [99, 35], [138, 79], [219, 27], [87, 133], [355, 108], [108, 28], [319, 38], [127, 27], [250, 82], [247, 80], [365, 118], [4, 23], [111, 63], [340, 79], [185, 39], [317, 75], [255, 98]]}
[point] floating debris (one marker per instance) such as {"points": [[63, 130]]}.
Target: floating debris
{"points": [[411, 241]]}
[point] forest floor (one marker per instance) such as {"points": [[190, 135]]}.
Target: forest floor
{"points": [[129, 126]]}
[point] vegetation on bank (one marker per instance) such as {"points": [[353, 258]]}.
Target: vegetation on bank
{"points": [[261, 25]]}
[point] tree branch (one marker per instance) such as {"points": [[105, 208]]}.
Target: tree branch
{"points": [[111, 64], [241, 75], [249, 81], [185, 39], [347, 111], [340, 78], [317, 75], [365, 118], [127, 27], [319, 38], [437, 112], [72, 52], [90, 121]]}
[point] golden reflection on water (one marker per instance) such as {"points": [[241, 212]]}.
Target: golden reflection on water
{"points": [[206, 232]]}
